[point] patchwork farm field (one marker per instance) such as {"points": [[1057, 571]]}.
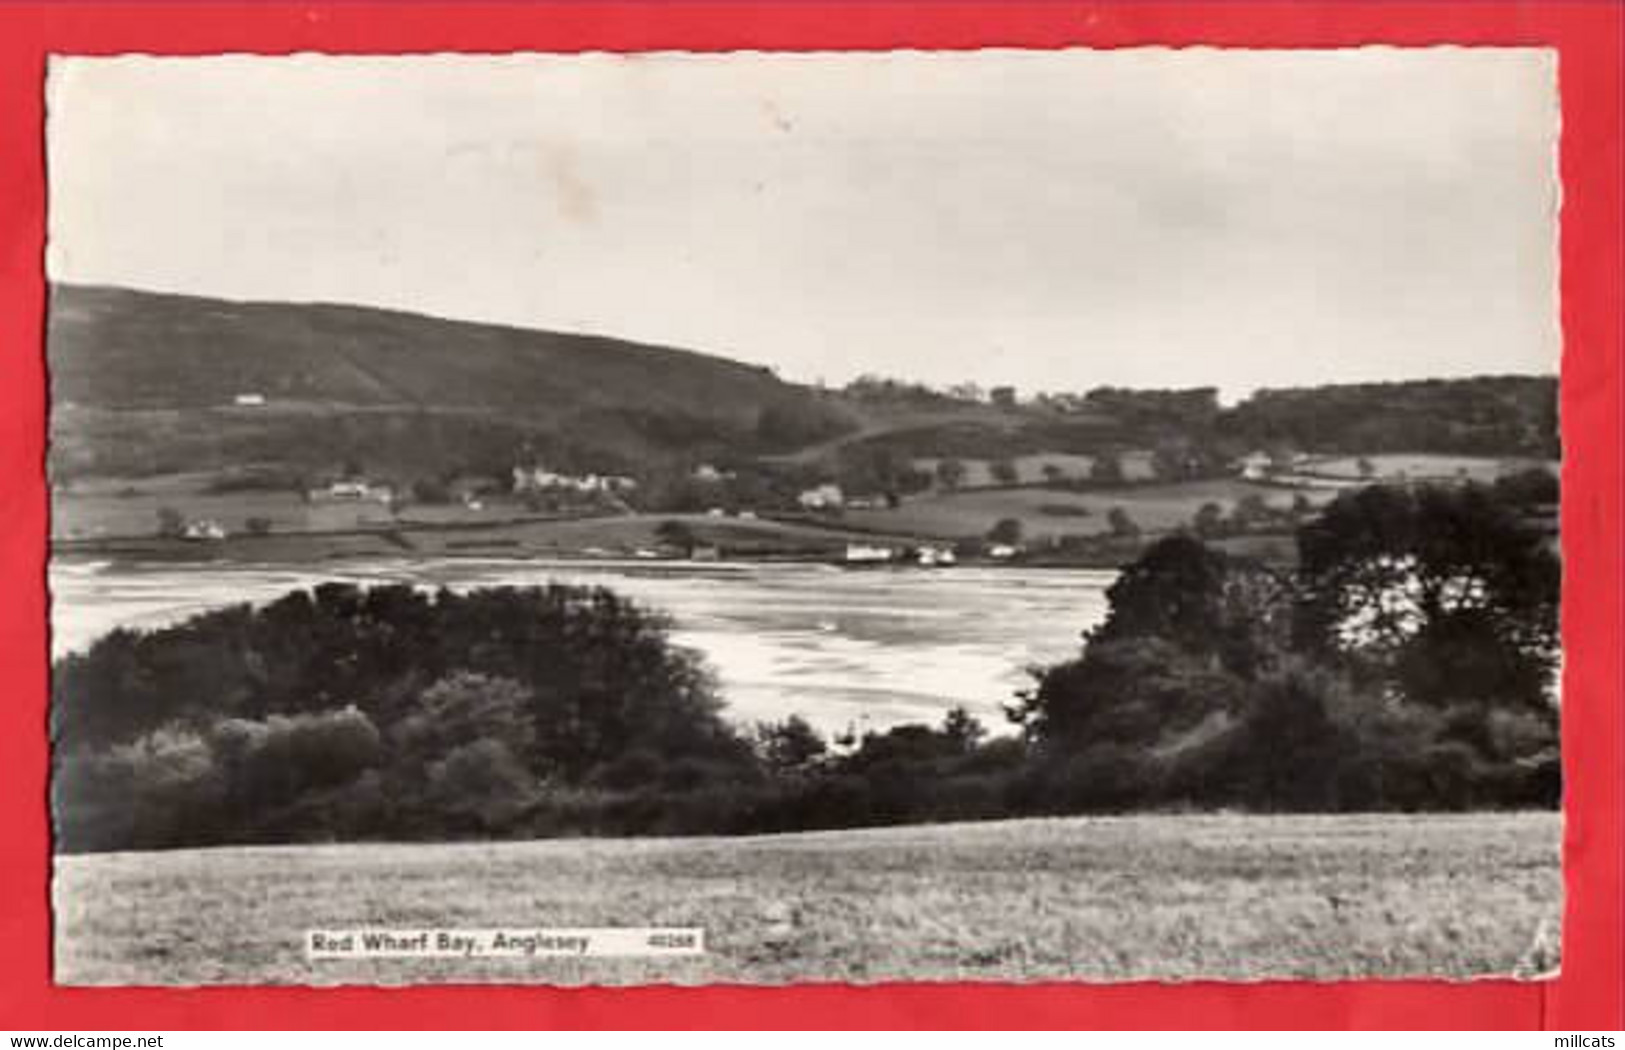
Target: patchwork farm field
{"points": [[1421, 466], [1104, 899], [1046, 512]]}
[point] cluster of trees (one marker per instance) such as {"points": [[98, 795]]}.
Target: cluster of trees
{"points": [[741, 485], [1486, 415], [869, 468], [384, 712], [345, 714], [886, 390], [1407, 662], [1195, 408], [1251, 513], [796, 422]]}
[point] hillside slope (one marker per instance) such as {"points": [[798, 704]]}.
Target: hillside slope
{"points": [[125, 349], [118, 356]]}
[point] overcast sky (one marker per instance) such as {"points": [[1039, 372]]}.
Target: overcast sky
{"points": [[1056, 220]]}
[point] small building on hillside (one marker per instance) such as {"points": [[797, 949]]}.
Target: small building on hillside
{"points": [[709, 474], [203, 530], [1256, 465], [822, 497], [865, 553], [355, 489], [249, 400], [537, 478]]}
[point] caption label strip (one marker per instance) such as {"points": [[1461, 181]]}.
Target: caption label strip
{"points": [[518, 942]]}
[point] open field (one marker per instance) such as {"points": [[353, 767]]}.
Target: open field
{"points": [[494, 536], [1098, 899], [1420, 466], [134, 512], [1030, 469], [1054, 512]]}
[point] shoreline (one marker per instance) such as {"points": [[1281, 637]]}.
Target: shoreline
{"points": [[417, 544]]}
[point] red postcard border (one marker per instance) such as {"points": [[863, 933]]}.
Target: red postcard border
{"points": [[1588, 38]]}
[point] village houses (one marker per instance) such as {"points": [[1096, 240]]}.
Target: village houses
{"points": [[822, 497], [537, 478]]}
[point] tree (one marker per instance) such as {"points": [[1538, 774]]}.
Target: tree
{"points": [[463, 708], [1007, 531], [1053, 472], [789, 746], [431, 491], [1121, 524], [1175, 696], [171, 523], [865, 467], [1106, 469], [1535, 487], [1444, 592], [1173, 461], [480, 786], [1126, 691], [675, 533], [1201, 600], [1004, 472], [1249, 511], [951, 473], [794, 423], [1367, 469], [258, 525], [1209, 520], [963, 728]]}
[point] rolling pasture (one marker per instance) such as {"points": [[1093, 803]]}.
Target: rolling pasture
{"points": [[1420, 466], [1102, 899], [1054, 512]]}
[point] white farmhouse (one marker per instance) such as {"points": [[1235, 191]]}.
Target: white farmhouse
{"points": [[1256, 465], [205, 529], [822, 497]]}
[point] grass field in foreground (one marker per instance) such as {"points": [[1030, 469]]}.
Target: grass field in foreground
{"points": [[1224, 896]]}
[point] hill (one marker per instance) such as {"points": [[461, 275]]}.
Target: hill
{"points": [[150, 386], [1509, 415], [370, 383]]}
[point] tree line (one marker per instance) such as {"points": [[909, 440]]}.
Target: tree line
{"points": [[1407, 662]]}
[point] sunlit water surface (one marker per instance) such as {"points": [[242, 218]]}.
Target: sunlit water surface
{"points": [[862, 649]]}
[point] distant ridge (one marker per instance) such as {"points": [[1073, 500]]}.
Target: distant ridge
{"points": [[382, 386], [149, 383], [118, 348]]}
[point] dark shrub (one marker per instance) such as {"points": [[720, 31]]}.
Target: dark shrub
{"points": [[354, 712]]}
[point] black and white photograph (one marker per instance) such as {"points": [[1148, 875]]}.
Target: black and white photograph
{"points": [[759, 518]]}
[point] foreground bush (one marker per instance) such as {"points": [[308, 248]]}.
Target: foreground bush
{"points": [[389, 712], [1408, 663]]}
